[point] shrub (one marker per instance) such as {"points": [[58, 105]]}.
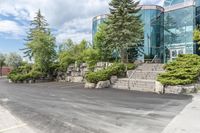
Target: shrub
{"points": [[130, 66], [21, 77], [116, 69], [35, 74], [105, 74], [95, 77], [184, 70]]}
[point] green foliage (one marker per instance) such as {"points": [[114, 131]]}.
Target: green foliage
{"points": [[196, 35], [101, 45], [40, 44], [13, 60], [80, 53], [65, 59], [105, 74], [124, 28], [24, 72], [95, 77], [2, 62], [130, 66], [66, 45], [15, 75], [90, 56], [184, 70]]}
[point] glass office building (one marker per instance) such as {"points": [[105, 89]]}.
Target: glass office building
{"points": [[168, 30], [96, 22], [179, 24], [153, 18]]}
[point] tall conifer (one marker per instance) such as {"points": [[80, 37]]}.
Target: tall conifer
{"points": [[125, 29]]}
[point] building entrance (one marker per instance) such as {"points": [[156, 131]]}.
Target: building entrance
{"points": [[175, 52]]}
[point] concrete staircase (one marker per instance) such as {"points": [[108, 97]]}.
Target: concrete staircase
{"points": [[143, 78]]}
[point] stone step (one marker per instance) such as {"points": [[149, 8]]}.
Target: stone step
{"points": [[151, 67], [152, 75], [138, 85], [149, 89]]}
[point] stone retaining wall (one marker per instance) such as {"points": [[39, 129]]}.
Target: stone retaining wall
{"points": [[178, 89]]}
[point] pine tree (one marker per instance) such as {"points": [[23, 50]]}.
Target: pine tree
{"points": [[125, 29], [40, 44]]}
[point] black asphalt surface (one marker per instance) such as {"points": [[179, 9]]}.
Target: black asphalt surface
{"points": [[69, 108]]}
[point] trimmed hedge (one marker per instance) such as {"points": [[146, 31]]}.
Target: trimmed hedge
{"points": [[184, 70], [105, 74]]}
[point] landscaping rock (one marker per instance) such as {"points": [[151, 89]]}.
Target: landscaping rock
{"points": [[25, 81], [103, 84], [9, 80], [68, 78], [78, 79], [159, 88], [31, 81], [61, 81], [180, 89], [90, 85], [113, 79]]}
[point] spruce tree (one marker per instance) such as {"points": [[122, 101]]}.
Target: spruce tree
{"points": [[100, 43], [40, 44], [125, 29]]}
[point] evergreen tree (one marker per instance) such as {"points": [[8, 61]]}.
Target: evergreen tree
{"points": [[101, 45], [40, 44], [125, 29]]}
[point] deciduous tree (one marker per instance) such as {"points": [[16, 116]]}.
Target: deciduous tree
{"points": [[2, 62]]}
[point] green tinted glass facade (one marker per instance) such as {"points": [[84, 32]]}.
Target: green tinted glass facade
{"points": [[178, 32], [152, 18], [173, 2], [168, 30], [96, 22]]}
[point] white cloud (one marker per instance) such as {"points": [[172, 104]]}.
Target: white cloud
{"points": [[75, 29], [61, 14], [72, 18], [11, 28]]}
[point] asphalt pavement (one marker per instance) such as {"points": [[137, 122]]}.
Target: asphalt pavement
{"points": [[69, 108]]}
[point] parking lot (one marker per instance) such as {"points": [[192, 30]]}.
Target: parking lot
{"points": [[69, 108]]}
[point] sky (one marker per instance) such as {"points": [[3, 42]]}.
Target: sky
{"points": [[67, 19]]}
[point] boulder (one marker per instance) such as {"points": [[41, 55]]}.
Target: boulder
{"points": [[25, 81], [77, 79], [103, 84], [10, 81], [68, 78], [101, 64], [31, 81], [159, 88], [180, 89], [90, 85], [113, 79]]}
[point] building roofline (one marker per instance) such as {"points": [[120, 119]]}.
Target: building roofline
{"points": [[180, 6], [152, 7], [100, 17], [144, 7]]}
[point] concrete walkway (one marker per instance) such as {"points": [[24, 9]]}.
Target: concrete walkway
{"points": [[11, 124], [188, 121]]}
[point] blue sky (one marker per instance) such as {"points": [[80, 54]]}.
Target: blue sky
{"points": [[69, 19]]}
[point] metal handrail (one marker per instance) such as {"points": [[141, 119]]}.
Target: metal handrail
{"points": [[154, 58], [130, 77], [134, 71]]}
